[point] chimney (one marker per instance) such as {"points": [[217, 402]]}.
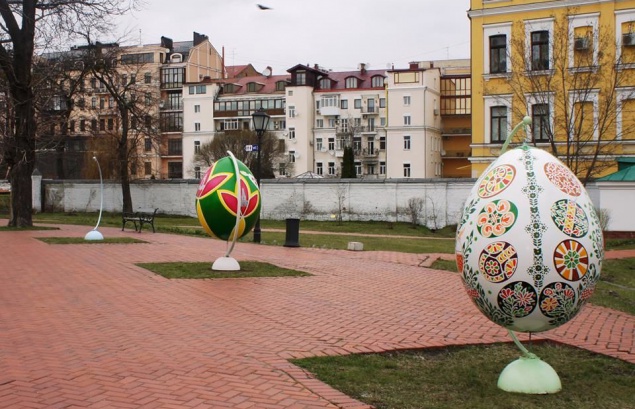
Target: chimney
{"points": [[362, 68], [414, 65], [167, 43], [199, 38]]}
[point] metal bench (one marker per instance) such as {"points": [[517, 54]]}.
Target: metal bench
{"points": [[138, 219]]}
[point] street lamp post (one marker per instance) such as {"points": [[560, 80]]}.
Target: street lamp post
{"points": [[261, 121]]}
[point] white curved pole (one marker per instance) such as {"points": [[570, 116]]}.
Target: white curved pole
{"points": [[101, 186], [238, 206]]}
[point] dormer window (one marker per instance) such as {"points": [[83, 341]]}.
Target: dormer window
{"points": [[280, 85], [325, 83], [176, 58], [377, 81], [229, 88], [252, 87], [351, 82], [300, 78]]}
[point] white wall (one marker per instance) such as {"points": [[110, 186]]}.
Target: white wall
{"points": [[319, 199]]}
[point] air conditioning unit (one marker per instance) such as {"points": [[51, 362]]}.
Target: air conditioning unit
{"points": [[436, 111], [581, 43], [628, 39]]}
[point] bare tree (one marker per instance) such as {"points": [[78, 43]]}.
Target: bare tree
{"points": [[271, 151], [569, 85], [125, 108], [25, 23]]}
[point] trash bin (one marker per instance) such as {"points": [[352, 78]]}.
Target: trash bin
{"points": [[293, 233]]}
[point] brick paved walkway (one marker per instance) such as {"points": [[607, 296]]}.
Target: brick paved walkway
{"points": [[82, 326]]}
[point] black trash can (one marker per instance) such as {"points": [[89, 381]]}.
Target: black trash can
{"points": [[292, 237]]}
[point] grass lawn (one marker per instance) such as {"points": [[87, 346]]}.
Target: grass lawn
{"points": [[204, 270], [81, 240], [616, 288], [466, 377]]}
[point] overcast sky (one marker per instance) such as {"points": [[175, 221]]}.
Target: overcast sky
{"points": [[336, 34]]}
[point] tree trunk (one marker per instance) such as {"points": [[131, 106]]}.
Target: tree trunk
{"points": [[123, 174], [22, 159]]}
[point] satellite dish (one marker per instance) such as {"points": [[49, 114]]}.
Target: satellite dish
{"points": [[267, 72]]}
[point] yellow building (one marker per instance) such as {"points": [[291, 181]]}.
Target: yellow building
{"points": [[569, 65]]}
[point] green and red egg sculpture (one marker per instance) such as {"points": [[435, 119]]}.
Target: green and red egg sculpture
{"points": [[228, 205]]}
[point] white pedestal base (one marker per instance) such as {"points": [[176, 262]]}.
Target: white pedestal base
{"points": [[226, 264]]}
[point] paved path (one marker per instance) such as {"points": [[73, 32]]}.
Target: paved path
{"points": [[82, 326]]}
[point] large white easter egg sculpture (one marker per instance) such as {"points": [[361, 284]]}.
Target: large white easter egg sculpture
{"points": [[529, 245]]}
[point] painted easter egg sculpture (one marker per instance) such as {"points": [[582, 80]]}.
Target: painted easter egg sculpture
{"points": [[228, 201], [529, 245]]}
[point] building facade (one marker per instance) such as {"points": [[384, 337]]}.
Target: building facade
{"points": [[569, 66], [401, 123]]}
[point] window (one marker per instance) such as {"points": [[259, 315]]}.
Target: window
{"points": [[351, 82], [406, 170], [382, 143], [406, 100], [498, 127], [197, 146], [344, 104], [540, 50], [147, 121], [93, 102], [319, 123], [175, 170], [102, 103], [172, 77], [291, 133], [82, 125], [358, 168], [371, 124], [197, 89], [300, 78], [172, 122], [133, 122], [382, 121], [124, 79], [230, 124], [319, 169], [498, 54], [133, 78], [147, 167], [72, 127], [102, 124], [331, 123], [344, 125], [540, 122], [291, 156], [280, 85], [406, 142], [331, 168], [318, 144], [382, 168], [282, 169], [197, 126], [197, 172], [251, 87], [93, 124], [370, 169], [291, 111], [370, 106], [382, 102], [147, 144], [111, 124], [325, 83], [406, 120], [290, 93], [197, 108], [357, 143], [175, 147], [148, 98], [331, 142], [147, 78], [358, 104], [377, 81]]}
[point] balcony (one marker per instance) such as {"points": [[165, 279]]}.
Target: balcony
{"points": [[456, 131], [167, 106], [460, 154], [330, 111], [366, 111]]}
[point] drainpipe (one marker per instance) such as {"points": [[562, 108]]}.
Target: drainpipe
{"points": [[425, 134]]}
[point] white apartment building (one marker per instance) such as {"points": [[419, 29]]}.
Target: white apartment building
{"points": [[391, 118]]}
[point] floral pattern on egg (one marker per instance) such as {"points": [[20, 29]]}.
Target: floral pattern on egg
{"points": [[529, 244]]}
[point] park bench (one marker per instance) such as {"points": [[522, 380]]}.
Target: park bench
{"points": [[138, 218]]}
